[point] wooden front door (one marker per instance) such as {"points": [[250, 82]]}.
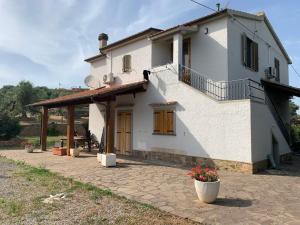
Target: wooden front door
{"points": [[124, 133]]}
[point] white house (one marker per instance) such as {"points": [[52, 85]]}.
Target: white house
{"points": [[216, 87]]}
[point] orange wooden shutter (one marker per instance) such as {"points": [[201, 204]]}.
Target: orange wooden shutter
{"points": [[169, 122], [128, 132], [119, 131], [158, 122]]}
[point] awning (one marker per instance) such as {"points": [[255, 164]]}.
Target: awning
{"points": [[283, 88], [93, 96]]}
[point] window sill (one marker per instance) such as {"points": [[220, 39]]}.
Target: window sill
{"points": [[164, 134], [252, 70]]}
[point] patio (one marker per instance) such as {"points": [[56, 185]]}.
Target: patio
{"points": [[270, 198]]}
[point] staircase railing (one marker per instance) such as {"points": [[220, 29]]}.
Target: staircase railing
{"points": [[232, 90], [278, 119], [222, 90]]}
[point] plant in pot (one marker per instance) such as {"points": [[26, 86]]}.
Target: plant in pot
{"points": [[29, 147], [206, 181]]}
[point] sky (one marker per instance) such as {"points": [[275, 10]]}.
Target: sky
{"points": [[46, 41]]}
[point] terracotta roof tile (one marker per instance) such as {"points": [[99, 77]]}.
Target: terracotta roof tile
{"points": [[86, 97]]}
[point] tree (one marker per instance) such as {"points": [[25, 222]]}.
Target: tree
{"points": [[9, 127], [8, 103], [295, 119], [25, 96], [293, 109]]}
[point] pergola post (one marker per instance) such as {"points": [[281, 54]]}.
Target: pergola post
{"points": [[70, 128], [109, 128], [44, 128]]}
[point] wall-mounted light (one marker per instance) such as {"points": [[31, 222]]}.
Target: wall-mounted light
{"points": [[206, 30]]}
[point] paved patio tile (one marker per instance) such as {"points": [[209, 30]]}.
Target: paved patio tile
{"points": [[243, 199]]}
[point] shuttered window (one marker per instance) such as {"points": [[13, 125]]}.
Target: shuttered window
{"points": [[249, 53], [126, 63], [277, 69], [163, 122]]}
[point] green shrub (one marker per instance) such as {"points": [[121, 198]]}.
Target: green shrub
{"points": [[295, 133], [9, 127], [53, 131]]}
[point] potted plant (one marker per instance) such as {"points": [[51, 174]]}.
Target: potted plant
{"points": [[29, 147], [207, 182]]}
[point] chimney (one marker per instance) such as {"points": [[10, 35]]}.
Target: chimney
{"points": [[103, 38]]}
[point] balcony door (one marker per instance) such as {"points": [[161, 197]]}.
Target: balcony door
{"points": [[186, 59]]}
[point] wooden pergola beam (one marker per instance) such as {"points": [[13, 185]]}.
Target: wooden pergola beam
{"points": [[70, 128], [44, 128], [109, 127]]}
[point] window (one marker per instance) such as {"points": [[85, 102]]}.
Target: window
{"points": [[163, 122], [277, 69], [249, 53], [126, 63]]}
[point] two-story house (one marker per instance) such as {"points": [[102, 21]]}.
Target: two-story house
{"points": [[216, 87]]}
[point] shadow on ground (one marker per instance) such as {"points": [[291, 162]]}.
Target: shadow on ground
{"points": [[233, 202]]}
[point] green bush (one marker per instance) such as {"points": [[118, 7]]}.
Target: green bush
{"points": [[295, 133], [9, 127], [53, 131]]}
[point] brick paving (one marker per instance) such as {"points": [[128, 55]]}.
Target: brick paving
{"points": [[269, 198]]}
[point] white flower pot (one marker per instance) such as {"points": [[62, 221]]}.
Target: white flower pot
{"points": [[74, 152], [207, 191], [108, 159], [99, 157]]}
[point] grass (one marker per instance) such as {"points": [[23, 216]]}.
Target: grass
{"points": [[35, 140], [36, 183], [13, 208]]}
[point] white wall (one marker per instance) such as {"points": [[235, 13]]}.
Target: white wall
{"points": [[96, 120], [262, 127], [204, 127], [140, 52], [209, 51], [236, 69], [161, 53]]}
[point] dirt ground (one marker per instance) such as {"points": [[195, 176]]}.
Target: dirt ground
{"points": [[23, 189]]}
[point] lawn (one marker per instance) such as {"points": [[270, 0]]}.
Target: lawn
{"points": [[50, 140], [23, 189]]}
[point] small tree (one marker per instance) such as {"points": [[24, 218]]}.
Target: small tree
{"points": [[9, 127], [25, 96], [295, 118]]}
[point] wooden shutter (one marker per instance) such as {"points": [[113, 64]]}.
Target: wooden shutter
{"points": [[119, 131], [126, 63], [255, 56], [277, 69], [158, 117], [168, 122], [127, 132], [244, 49]]}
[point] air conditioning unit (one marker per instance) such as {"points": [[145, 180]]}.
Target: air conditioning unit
{"points": [[270, 72], [108, 78]]}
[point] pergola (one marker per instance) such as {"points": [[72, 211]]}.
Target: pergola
{"points": [[99, 95]]}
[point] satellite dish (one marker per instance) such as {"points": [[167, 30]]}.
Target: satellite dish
{"points": [[92, 81]]}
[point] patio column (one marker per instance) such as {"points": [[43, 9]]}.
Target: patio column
{"points": [[177, 50], [109, 127], [44, 128], [70, 128]]}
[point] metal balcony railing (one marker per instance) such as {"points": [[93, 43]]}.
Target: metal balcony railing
{"points": [[222, 90]]}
